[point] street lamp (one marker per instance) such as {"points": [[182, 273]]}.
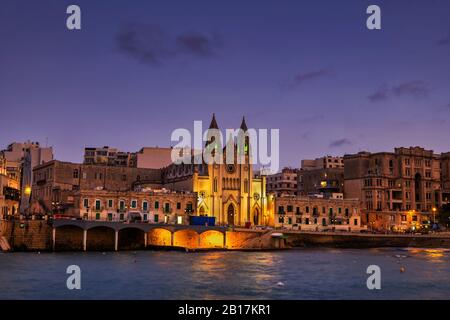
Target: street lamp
{"points": [[434, 214]]}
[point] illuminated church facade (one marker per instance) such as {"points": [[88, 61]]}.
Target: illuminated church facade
{"points": [[230, 192]]}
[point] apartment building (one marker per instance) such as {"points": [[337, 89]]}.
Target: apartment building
{"points": [[21, 159], [400, 189], [323, 175], [312, 213], [283, 183], [147, 157]]}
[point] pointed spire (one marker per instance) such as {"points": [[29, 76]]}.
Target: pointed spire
{"points": [[213, 124], [244, 125]]}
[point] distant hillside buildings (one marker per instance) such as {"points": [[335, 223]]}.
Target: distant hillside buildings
{"points": [[148, 157]]}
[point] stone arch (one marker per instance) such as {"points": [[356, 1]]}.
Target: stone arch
{"points": [[69, 238], [131, 239], [159, 237], [186, 238], [100, 238], [211, 239]]}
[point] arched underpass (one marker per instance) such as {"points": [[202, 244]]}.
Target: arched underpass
{"points": [[100, 238], [186, 239], [159, 237], [131, 239], [211, 239], [69, 238]]}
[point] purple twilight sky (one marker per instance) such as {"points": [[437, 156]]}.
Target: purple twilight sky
{"points": [[139, 69]]}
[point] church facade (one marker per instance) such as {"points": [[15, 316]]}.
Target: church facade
{"points": [[230, 192]]}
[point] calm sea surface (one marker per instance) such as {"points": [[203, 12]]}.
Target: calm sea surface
{"points": [[296, 274]]}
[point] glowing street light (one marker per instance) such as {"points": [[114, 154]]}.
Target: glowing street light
{"points": [[27, 190], [434, 214]]}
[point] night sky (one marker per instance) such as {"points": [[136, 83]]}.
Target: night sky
{"points": [[139, 69]]}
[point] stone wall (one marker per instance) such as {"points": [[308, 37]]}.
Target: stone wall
{"points": [[366, 240], [237, 239], [27, 235]]}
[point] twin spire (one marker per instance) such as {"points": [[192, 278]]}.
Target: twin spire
{"points": [[214, 125]]}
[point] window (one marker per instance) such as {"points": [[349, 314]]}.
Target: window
{"points": [[145, 206], [121, 217], [307, 209], [97, 216], [121, 205], [156, 218], [110, 203], [178, 205], [156, 205], [110, 216], [86, 203], [280, 209], [133, 204], [355, 222], [98, 205], [290, 208], [145, 217], [75, 174], [403, 217]]}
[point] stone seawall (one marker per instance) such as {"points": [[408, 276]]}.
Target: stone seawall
{"points": [[37, 235], [27, 235], [366, 240]]}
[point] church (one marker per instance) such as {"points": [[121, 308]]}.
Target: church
{"points": [[230, 192]]}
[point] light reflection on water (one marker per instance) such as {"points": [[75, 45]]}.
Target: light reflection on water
{"points": [[295, 274]]}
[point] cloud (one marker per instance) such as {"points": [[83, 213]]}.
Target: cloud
{"points": [[150, 44], [198, 44], [444, 41], [415, 88], [340, 143], [379, 95], [302, 78]]}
